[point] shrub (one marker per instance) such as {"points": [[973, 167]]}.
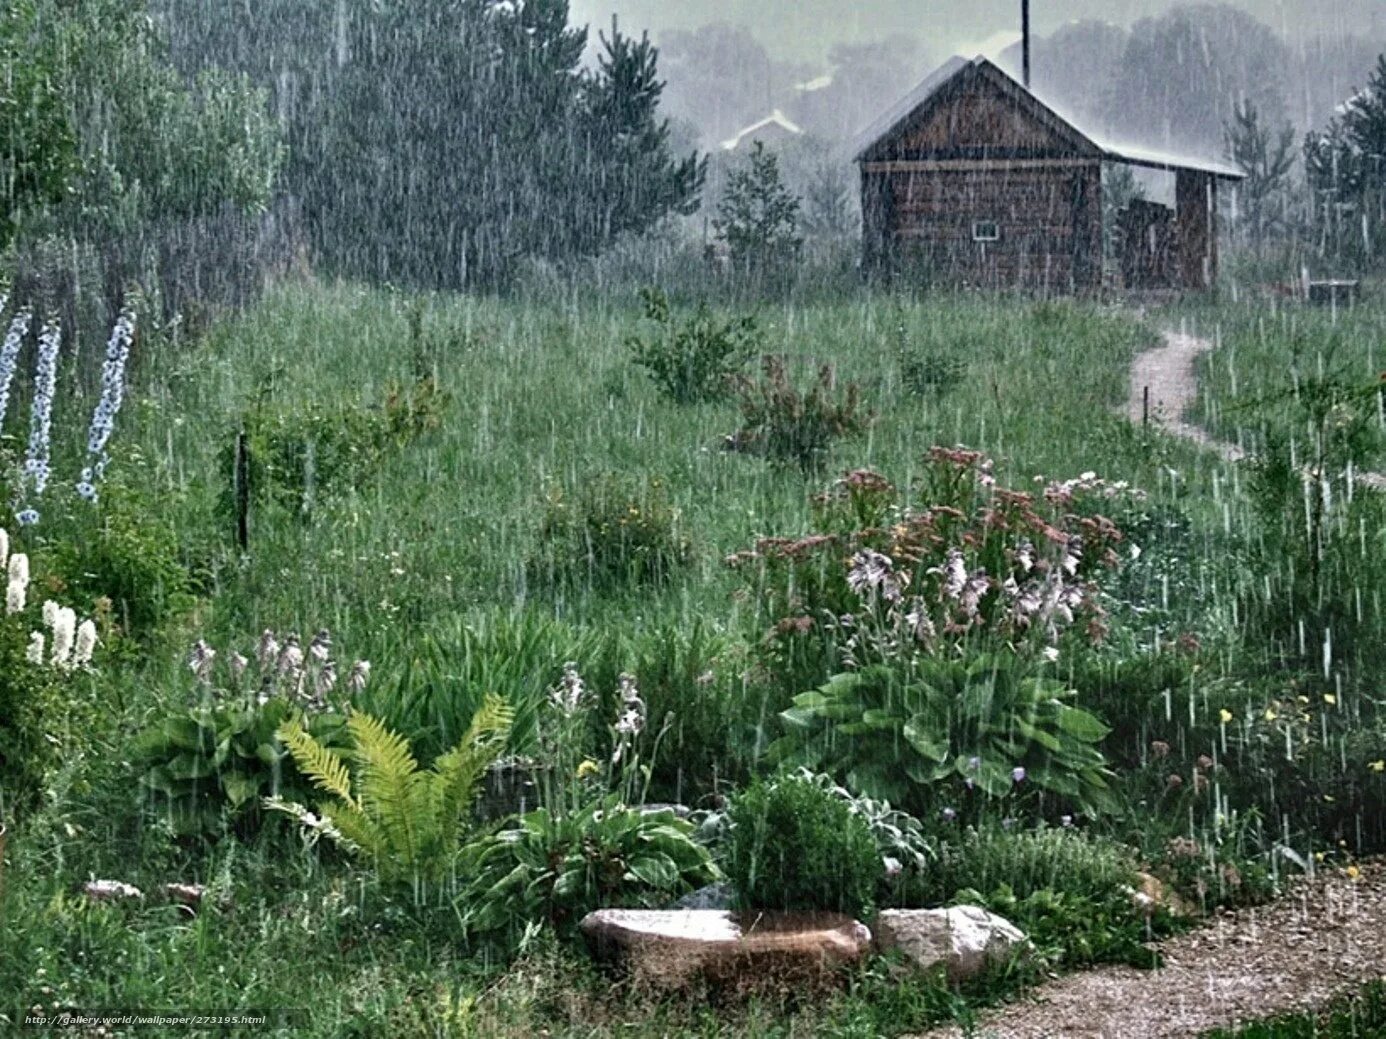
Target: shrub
{"points": [[796, 845], [556, 867], [38, 657], [786, 424], [405, 821], [694, 360], [948, 729], [928, 374], [611, 531], [1047, 858], [208, 766], [315, 450]]}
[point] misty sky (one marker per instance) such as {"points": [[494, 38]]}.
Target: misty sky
{"points": [[804, 29]]}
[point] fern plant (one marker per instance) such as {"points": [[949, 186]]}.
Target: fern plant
{"points": [[405, 820]]}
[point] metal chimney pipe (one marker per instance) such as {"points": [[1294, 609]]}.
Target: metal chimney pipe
{"points": [[1025, 40]]}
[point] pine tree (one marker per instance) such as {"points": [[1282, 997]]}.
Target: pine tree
{"points": [[1266, 157], [758, 217], [1347, 174]]}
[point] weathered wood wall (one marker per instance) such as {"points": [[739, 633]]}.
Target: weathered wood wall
{"points": [[1048, 215]]}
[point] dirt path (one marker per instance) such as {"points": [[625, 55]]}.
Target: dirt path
{"points": [[1326, 937], [1167, 373]]}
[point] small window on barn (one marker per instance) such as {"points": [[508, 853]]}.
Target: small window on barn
{"points": [[985, 231]]}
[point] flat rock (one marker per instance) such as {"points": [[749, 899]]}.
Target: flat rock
{"points": [[675, 948], [965, 939]]}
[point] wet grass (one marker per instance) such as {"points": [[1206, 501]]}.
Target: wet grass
{"points": [[408, 561]]}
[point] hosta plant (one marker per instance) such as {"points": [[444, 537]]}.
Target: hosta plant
{"points": [[557, 866], [406, 822], [988, 724], [208, 765]]}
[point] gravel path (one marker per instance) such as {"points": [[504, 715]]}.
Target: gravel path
{"points": [[1326, 937]]}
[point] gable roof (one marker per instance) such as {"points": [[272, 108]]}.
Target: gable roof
{"points": [[776, 119], [960, 73]]}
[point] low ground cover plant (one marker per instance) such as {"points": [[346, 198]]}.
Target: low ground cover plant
{"points": [[795, 845], [694, 360]]}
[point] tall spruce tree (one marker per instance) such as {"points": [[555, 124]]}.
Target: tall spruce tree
{"points": [[1346, 167], [438, 142]]}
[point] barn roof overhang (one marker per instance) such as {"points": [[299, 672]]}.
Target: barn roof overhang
{"points": [[871, 146]]}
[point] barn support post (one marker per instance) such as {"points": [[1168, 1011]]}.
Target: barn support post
{"points": [[1196, 202]]}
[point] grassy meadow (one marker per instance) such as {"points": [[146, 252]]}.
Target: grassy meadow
{"points": [[417, 464]]}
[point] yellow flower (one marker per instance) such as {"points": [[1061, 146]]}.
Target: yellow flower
{"points": [[1318, 856], [1302, 699], [1378, 766], [588, 768], [1225, 715], [1270, 715], [1329, 698], [1353, 872]]}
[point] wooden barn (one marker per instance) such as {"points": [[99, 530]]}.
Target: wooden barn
{"points": [[976, 179]]}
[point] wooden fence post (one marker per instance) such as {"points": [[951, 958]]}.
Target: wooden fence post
{"points": [[242, 491]]}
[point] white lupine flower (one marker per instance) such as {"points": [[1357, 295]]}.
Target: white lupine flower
{"points": [[4, 548], [14, 596], [34, 653], [86, 643], [112, 395], [36, 467], [321, 646], [19, 568], [9, 356], [64, 636], [50, 613]]}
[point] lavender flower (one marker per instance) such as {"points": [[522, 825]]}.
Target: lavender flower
{"points": [[1018, 774], [267, 650], [321, 646], [360, 675], [873, 572], [200, 659], [567, 694]]}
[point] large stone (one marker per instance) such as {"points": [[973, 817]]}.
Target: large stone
{"points": [[674, 948], [965, 939]]}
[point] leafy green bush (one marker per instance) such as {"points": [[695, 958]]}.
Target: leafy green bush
{"points": [[315, 450], [123, 556], [781, 422], [556, 867], [928, 374], [40, 652], [405, 821], [694, 360], [611, 531], [796, 845], [989, 724], [30, 703], [1054, 858]]}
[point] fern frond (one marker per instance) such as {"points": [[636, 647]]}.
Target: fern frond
{"points": [[355, 828], [321, 765], [392, 790], [455, 774]]}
